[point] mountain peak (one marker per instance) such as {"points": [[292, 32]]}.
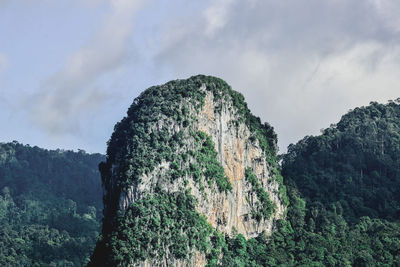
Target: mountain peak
{"points": [[188, 163]]}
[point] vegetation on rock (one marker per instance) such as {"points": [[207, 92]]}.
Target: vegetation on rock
{"points": [[160, 226], [158, 139]]}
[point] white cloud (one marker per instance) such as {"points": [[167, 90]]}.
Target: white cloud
{"points": [[216, 15], [70, 93], [389, 11]]}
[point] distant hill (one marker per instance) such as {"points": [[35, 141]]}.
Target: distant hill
{"points": [[344, 188], [50, 206], [354, 164]]}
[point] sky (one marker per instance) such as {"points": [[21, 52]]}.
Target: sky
{"points": [[69, 69]]}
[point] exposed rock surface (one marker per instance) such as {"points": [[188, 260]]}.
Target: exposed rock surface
{"points": [[235, 152], [230, 126]]}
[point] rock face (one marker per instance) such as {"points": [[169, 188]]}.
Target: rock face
{"points": [[189, 141], [236, 153]]}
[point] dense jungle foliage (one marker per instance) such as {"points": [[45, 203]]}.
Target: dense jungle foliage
{"points": [[161, 225], [357, 161], [50, 206]]}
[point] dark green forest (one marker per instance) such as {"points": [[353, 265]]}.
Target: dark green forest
{"points": [[50, 206]]}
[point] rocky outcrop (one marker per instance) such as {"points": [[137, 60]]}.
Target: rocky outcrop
{"points": [[230, 209]]}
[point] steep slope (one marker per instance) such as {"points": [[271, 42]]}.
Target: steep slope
{"points": [[50, 206], [187, 165]]}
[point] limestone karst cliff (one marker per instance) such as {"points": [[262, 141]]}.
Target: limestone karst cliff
{"points": [[188, 165]]}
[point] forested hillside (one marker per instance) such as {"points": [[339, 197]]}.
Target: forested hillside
{"points": [[344, 192], [50, 206], [357, 161]]}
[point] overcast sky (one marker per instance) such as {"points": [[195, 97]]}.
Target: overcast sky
{"points": [[69, 69]]}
